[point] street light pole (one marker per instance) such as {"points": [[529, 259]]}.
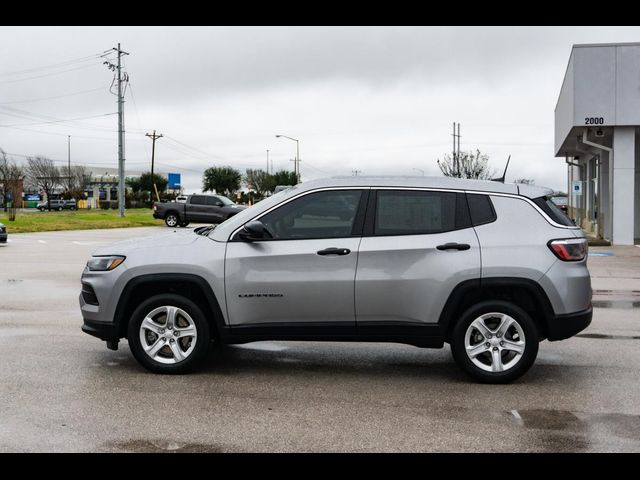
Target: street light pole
{"points": [[296, 162]]}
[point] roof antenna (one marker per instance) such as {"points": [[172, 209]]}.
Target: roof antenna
{"points": [[504, 174]]}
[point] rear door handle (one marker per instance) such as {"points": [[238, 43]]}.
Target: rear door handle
{"points": [[334, 251], [454, 246]]}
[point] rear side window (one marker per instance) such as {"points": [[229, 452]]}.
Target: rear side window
{"points": [[481, 209], [552, 210], [407, 212], [198, 200]]}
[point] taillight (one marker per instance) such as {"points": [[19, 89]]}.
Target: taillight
{"points": [[569, 249], [155, 206]]}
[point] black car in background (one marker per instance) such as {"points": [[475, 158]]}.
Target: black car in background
{"points": [[196, 208], [57, 205], [3, 233]]}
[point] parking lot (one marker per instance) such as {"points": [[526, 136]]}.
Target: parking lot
{"points": [[62, 390]]}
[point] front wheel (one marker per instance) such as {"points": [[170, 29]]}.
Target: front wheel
{"points": [[171, 220], [495, 342], [168, 334]]}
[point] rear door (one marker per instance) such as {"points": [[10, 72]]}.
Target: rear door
{"points": [[417, 246]]}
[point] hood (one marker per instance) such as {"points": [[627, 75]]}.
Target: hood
{"points": [[170, 239]]}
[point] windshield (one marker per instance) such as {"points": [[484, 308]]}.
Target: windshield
{"points": [[225, 200]]}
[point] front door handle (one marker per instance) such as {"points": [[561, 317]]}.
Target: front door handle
{"points": [[334, 251], [454, 246]]}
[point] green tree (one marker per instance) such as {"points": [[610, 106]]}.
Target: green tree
{"points": [[224, 180], [142, 184], [260, 181], [468, 165], [285, 177]]}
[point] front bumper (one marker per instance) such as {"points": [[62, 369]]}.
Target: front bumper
{"points": [[565, 326], [3, 237], [103, 331]]}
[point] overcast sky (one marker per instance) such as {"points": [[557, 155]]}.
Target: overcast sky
{"points": [[377, 100]]}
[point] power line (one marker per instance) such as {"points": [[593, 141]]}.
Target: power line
{"points": [[52, 98], [60, 134], [56, 121], [50, 66], [49, 74], [193, 148]]}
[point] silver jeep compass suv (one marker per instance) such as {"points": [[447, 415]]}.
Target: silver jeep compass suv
{"points": [[492, 269]]}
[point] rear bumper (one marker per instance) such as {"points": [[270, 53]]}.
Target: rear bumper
{"points": [[155, 215], [565, 326]]}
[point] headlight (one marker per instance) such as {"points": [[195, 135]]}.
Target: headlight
{"points": [[103, 264]]}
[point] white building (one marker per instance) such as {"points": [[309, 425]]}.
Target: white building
{"points": [[597, 131]]}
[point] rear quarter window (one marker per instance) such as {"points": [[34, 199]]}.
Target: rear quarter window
{"points": [[481, 209], [552, 210]]}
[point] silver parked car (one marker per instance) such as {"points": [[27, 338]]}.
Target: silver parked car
{"points": [[492, 269]]}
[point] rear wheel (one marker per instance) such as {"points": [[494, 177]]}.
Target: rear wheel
{"points": [[171, 220], [495, 342], [184, 224], [169, 334]]}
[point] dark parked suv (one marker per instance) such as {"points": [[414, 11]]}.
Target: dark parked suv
{"points": [[57, 205]]}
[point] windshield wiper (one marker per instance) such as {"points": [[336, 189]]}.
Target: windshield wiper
{"points": [[204, 230]]}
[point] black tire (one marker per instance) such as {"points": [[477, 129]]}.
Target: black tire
{"points": [[59, 209], [171, 220], [184, 224], [527, 358], [203, 339]]}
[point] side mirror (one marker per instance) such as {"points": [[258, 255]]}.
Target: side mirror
{"points": [[253, 231]]}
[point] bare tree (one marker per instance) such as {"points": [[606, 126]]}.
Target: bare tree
{"points": [[467, 165], [526, 181], [12, 178], [42, 173]]}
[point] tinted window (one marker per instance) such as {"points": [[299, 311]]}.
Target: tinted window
{"points": [[553, 211], [481, 209], [214, 201], [317, 215], [404, 212], [198, 200]]}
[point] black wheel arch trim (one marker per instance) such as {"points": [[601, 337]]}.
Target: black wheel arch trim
{"points": [[119, 322], [468, 287]]}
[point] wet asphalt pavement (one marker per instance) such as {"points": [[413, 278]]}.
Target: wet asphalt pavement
{"points": [[62, 390]]}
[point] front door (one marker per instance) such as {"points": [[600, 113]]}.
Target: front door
{"points": [[306, 272]]}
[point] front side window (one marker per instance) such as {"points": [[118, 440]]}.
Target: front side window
{"points": [[329, 214], [198, 200], [406, 212]]}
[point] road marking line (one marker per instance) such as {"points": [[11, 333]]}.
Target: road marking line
{"points": [[41, 241]]}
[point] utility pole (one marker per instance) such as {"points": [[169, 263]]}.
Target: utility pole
{"points": [[267, 161], [120, 79], [69, 159], [153, 137], [456, 154]]}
